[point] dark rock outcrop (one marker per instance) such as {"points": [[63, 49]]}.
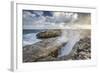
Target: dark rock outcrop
{"points": [[83, 49], [49, 34]]}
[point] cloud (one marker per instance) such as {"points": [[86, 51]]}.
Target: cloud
{"points": [[65, 17], [34, 18], [40, 13], [28, 18]]}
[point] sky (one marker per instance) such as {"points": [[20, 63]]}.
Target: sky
{"points": [[33, 18]]}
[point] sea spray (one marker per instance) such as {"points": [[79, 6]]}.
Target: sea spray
{"points": [[30, 38], [72, 37], [63, 38]]}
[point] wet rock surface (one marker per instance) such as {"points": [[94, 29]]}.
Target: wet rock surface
{"points": [[41, 50], [81, 51], [48, 34], [48, 48]]}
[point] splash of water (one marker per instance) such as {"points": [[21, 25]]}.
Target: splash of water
{"points": [[63, 38], [30, 38], [73, 37]]}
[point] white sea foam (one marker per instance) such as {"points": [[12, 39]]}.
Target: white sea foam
{"points": [[29, 39]]}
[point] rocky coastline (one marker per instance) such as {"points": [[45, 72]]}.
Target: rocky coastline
{"points": [[47, 49]]}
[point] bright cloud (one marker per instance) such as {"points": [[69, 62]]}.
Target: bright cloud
{"points": [[42, 18]]}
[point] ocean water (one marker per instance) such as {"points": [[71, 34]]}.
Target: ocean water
{"points": [[29, 37]]}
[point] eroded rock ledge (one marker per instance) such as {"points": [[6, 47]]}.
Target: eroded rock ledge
{"points": [[42, 49], [47, 49], [49, 34]]}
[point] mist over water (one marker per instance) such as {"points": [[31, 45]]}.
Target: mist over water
{"points": [[71, 36], [63, 38]]}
